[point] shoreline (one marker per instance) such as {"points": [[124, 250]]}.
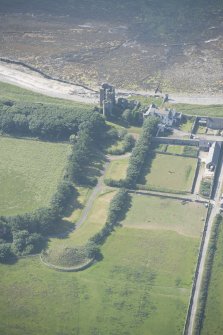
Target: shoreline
{"points": [[26, 78]]}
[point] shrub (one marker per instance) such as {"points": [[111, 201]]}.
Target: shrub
{"points": [[205, 188], [25, 243], [5, 252]]}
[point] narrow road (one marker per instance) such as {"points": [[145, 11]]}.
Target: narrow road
{"points": [[204, 250], [183, 197]]}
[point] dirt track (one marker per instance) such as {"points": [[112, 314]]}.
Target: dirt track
{"points": [[28, 79]]}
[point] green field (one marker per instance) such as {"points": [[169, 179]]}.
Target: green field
{"points": [[165, 214], [141, 286], [213, 322], [175, 149], [169, 173], [29, 173], [199, 110], [117, 169]]}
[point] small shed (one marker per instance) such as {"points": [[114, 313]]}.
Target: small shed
{"points": [[215, 123]]}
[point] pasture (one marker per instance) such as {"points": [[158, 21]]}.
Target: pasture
{"points": [[213, 322], [117, 169], [169, 173], [198, 110], [152, 212], [29, 173], [141, 285]]}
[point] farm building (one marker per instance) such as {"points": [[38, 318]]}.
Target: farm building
{"points": [[167, 117], [213, 156], [215, 123], [204, 145]]}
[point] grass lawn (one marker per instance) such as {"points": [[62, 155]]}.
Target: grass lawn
{"points": [[159, 147], [141, 286], [169, 173], [201, 130], [213, 322], [187, 126], [135, 131], [151, 212], [200, 110], [175, 149], [29, 173], [117, 169]]}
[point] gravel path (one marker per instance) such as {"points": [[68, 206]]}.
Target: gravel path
{"points": [[92, 198]]}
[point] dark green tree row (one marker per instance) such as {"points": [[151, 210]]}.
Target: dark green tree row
{"points": [[44, 121], [141, 151]]}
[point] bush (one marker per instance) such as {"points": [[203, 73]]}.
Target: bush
{"points": [[205, 188], [114, 183], [25, 243], [190, 151], [59, 201], [6, 253]]}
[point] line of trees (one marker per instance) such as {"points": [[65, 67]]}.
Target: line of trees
{"points": [[49, 122], [26, 234], [140, 151]]}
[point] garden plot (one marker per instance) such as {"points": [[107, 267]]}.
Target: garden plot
{"points": [[169, 173]]}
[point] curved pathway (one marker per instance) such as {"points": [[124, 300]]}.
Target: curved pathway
{"points": [[91, 199], [96, 191]]}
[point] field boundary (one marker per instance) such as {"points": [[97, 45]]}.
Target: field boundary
{"points": [[186, 325], [176, 141], [46, 76], [172, 154], [197, 170], [203, 295], [68, 269]]}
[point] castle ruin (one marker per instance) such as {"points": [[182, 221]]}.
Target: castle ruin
{"points": [[107, 99]]}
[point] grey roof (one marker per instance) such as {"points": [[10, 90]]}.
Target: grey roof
{"points": [[204, 143], [214, 154], [215, 123]]}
